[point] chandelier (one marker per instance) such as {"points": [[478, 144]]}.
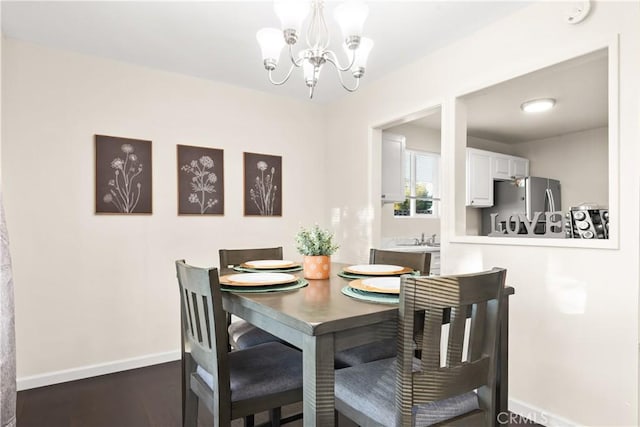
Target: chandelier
{"points": [[350, 15]]}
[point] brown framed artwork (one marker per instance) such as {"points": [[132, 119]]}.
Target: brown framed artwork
{"points": [[200, 180], [262, 185], [123, 175]]}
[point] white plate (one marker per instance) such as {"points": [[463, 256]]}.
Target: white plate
{"points": [[270, 263], [383, 283], [257, 279], [375, 269]]}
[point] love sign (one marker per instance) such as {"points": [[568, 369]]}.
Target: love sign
{"points": [[515, 224]]}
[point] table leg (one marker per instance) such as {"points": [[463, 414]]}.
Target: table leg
{"points": [[318, 380]]}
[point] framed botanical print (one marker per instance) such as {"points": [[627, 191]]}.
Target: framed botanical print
{"points": [[123, 175], [200, 181], [262, 185]]}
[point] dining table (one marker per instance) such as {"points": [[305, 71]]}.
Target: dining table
{"points": [[320, 320]]}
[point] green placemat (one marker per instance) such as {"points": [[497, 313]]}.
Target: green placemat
{"points": [[370, 296], [272, 270], [301, 283], [353, 276]]}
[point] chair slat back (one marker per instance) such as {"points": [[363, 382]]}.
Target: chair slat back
{"points": [[204, 325], [419, 261], [478, 296], [230, 258]]}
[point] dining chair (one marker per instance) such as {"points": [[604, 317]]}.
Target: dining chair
{"points": [[436, 388], [419, 261], [232, 384], [243, 334]]}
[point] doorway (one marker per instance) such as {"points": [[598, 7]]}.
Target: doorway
{"points": [[411, 182]]}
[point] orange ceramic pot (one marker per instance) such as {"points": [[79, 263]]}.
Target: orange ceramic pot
{"points": [[316, 267]]}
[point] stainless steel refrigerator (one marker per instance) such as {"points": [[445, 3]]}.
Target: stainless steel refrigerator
{"points": [[527, 195]]}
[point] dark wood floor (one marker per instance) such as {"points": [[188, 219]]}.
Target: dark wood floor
{"points": [[146, 397]]}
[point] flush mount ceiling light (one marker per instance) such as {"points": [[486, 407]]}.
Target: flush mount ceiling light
{"points": [[350, 15], [538, 105]]}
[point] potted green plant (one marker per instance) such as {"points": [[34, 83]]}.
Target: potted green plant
{"points": [[317, 246]]}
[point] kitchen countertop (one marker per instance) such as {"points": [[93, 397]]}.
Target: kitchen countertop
{"points": [[412, 248]]}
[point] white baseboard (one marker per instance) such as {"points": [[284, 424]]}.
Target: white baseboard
{"points": [[56, 377], [538, 415]]}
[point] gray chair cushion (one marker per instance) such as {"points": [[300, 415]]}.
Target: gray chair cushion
{"points": [[260, 370], [243, 335], [366, 353], [370, 389]]}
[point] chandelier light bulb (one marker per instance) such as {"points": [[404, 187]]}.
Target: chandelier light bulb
{"points": [[538, 105], [271, 44], [310, 75], [291, 13], [362, 53], [351, 15]]}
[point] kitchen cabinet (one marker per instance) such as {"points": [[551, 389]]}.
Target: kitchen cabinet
{"points": [[483, 167], [501, 167], [393, 173], [435, 264], [479, 178], [518, 167], [505, 167]]}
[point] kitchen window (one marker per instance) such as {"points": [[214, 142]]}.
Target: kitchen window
{"points": [[422, 186]]}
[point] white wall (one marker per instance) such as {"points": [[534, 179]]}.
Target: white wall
{"points": [[418, 137], [574, 317], [488, 145], [579, 160], [93, 289], [421, 139]]}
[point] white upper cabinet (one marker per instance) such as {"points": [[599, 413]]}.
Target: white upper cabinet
{"points": [[518, 167], [500, 166], [506, 167], [393, 179], [483, 167], [479, 178]]}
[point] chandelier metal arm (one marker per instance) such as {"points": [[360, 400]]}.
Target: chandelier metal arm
{"points": [[348, 89], [294, 61], [333, 58], [284, 80]]}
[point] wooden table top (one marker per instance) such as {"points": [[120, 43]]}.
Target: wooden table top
{"points": [[319, 307]]}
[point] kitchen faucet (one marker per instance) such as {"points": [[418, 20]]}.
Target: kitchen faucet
{"points": [[429, 242]]}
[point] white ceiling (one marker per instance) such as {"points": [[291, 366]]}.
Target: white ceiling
{"points": [[579, 85], [216, 40]]}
